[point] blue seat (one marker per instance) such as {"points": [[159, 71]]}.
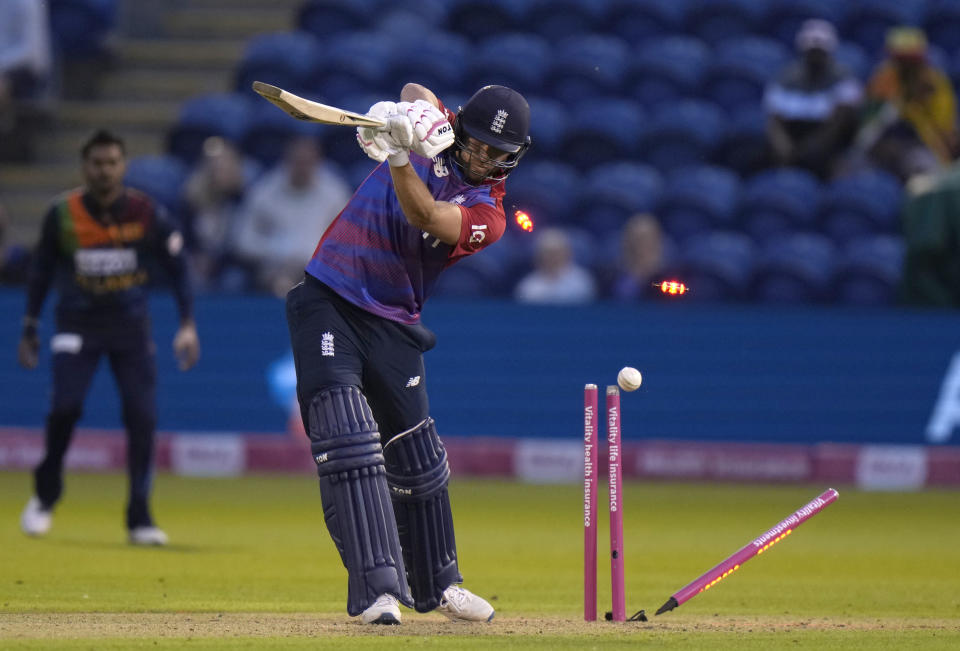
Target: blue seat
{"points": [[549, 125], [558, 19], [217, 114], [719, 20], [284, 59], [867, 21], [602, 130], [780, 201], [666, 69], [852, 57], [638, 20], [268, 130], [492, 17], [717, 266], [738, 73], [864, 203], [681, 133], [161, 177], [743, 147], [870, 270], [354, 63], [79, 28], [942, 24], [325, 18], [615, 191], [496, 62], [797, 268], [436, 61], [411, 20], [587, 66], [784, 17], [548, 191], [699, 199]]}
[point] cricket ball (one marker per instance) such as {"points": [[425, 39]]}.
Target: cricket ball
{"points": [[629, 378]]}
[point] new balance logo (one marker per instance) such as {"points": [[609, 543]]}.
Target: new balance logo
{"points": [[412, 382], [498, 121], [326, 344]]}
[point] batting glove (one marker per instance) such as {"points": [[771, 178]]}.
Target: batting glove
{"points": [[432, 132]]}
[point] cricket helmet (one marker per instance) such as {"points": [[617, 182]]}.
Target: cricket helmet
{"points": [[497, 116]]}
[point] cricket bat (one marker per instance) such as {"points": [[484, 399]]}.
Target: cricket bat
{"points": [[310, 111]]}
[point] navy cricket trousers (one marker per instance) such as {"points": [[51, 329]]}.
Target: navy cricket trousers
{"points": [[130, 351]]}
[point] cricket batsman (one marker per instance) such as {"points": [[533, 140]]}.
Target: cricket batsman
{"points": [[358, 343]]}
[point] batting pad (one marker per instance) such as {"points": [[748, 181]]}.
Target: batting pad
{"points": [[356, 500], [417, 472]]}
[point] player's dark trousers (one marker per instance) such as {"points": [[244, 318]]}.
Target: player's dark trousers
{"points": [[129, 350]]}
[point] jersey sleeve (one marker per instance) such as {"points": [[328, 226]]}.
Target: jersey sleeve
{"points": [[480, 226], [168, 247], [44, 263]]}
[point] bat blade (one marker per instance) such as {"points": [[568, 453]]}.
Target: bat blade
{"points": [[310, 111]]}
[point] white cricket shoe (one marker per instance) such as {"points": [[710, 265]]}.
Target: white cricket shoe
{"points": [[35, 520], [148, 536], [459, 604], [385, 610]]}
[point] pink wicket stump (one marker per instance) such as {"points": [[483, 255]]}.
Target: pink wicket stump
{"points": [[753, 548], [590, 469], [615, 479]]}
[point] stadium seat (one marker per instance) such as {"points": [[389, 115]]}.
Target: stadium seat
{"points": [[681, 133], [666, 69], [326, 18], [470, 17], [797, 268], [217, 114], [78, 28], [743, 147], [779, 201], [867, 21], [435, 61], [547, 190], [717, 266], [615, 191], [699, 199], [268, 130], [354, 63], [740, 69], [558, 19], [638, 20], [865, 203], [601, 130], [942, 24], [161, 177], [284, 59], [587, 66], [495, 62], [549, 125], [853, 58], [870, 270], [719, 20], [411, 20], [784, 17]]}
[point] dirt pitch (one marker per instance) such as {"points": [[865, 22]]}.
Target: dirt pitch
{"points": [[37, 626]]}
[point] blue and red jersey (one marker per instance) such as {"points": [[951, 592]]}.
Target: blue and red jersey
{"points": [[372, 257]]}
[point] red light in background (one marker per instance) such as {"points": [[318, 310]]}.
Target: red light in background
{"points": [[672, 287], [524, 221]]}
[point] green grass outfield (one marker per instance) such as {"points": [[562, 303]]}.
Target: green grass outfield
{"points": [[251, 566]]}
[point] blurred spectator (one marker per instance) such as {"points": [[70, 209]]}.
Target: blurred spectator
{"points": [[556, 278], [911, 123], [286, 213], [14, 259], [812, 107], [642, 258], [213, 195], [931, 221], [25, 60]]}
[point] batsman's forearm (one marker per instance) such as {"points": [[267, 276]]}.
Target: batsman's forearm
{"points": [[438, 218]]}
